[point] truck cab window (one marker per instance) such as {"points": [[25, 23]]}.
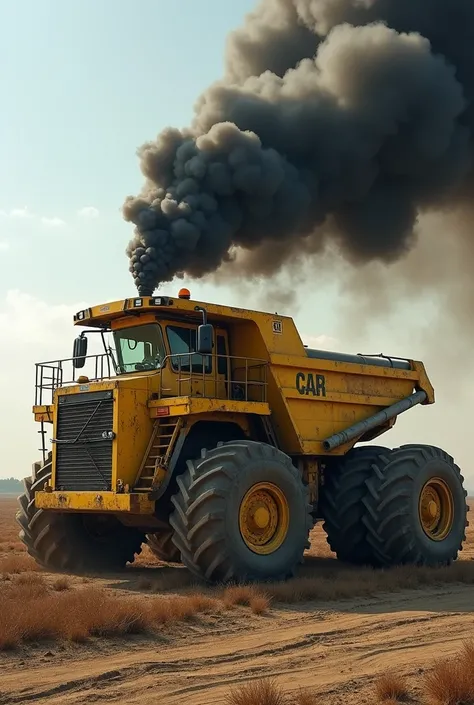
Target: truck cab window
{"points": [[139, 348], [222, 355], [183, 342]]}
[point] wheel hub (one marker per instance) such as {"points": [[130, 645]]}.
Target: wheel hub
{"points": [[436, 509], [433, 509], [264, 518]]}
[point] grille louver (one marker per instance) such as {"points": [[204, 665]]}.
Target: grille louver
{"points": [[84, 462]]}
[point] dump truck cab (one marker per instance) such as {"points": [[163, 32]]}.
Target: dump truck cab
{"points": [[164, 368], [215, 435]]}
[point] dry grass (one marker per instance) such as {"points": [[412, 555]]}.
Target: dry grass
{"points": [[336, 582], [261, 692], [17, 563], [305, 697], [259, 604], [34, 611], [268, 692], [62, 584], [247, 596], [392, 687], [28, 579], [451, 682]]}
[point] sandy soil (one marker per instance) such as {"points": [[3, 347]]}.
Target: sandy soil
{"points": [[336, 649]]}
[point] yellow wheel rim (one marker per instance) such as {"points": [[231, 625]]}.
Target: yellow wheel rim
{"points": [[264, 518], [436, 509]]}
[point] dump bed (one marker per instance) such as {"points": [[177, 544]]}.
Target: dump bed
{"points": [[324, 393]]}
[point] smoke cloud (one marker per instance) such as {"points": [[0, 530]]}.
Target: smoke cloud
{"points": [[337, 123]]}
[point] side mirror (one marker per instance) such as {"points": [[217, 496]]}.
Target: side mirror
{"points": [[205, 339], [79, 352]]}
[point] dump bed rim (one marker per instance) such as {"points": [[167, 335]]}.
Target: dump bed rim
{"points": [[376, 361]]}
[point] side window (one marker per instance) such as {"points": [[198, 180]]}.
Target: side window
{"points": [[222, 355], [182, 345]]}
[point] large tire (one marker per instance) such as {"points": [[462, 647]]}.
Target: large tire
{"points": [[341, 504], [162, 546], [394, 509], [210, 506], [75, 543]]}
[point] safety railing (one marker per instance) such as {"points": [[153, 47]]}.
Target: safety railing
{"points": [[209, 376], [215, 377], [55, 374]]}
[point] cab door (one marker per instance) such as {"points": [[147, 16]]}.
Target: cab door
{"points": [[194, 374], [223, 367]]}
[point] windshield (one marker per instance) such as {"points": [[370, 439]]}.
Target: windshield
{"points": [[139, 348]]}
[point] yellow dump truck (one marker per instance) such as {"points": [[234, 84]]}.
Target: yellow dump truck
{"points": [[213, 434]]}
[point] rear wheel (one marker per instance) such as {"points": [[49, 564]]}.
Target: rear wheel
{"points": [[75, 543], [416, 510], [162, 546], [341, 504], [242, 513]]}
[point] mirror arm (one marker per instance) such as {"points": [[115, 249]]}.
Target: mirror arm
{"points": [[204, 313]]}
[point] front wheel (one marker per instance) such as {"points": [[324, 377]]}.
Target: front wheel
{"points": [[72, 542], [416, 510], [242, 513]]}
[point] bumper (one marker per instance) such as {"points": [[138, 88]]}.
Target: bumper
{"points": [[136, 503]]}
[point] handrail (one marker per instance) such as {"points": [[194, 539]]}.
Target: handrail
{"points": [[215, 385], [245, 378], [50, 375]]}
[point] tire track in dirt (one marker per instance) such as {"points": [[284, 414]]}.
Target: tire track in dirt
{"points": [[322, 650]]}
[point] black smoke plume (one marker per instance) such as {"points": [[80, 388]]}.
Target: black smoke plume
{"points": [[357, 113]]}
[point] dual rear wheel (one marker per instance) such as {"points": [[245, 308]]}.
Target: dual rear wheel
{"points": [[393, 507]]}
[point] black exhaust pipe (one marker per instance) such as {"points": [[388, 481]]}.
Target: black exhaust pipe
{"points": [[145, 291]]}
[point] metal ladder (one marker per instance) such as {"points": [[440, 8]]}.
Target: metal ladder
{"points": [[157, 455], [268, 428]]}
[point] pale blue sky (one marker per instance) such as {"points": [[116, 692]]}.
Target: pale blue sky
{"points": [[82, 85]]}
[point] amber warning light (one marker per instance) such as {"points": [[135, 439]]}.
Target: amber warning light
{"points": [[184, 294]]}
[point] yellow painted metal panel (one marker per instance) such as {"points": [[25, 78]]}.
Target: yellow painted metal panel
{"points": [[179, 406], [133, 427], [321, 400], [135, 503], [44, 413]]}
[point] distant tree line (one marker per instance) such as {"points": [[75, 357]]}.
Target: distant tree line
{"points": [[10, 486]]}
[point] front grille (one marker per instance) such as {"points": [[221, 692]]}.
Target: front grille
{"points": [[83, 457]]}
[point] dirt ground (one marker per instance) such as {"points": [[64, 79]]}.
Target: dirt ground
{"points": [[335, 648]]}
